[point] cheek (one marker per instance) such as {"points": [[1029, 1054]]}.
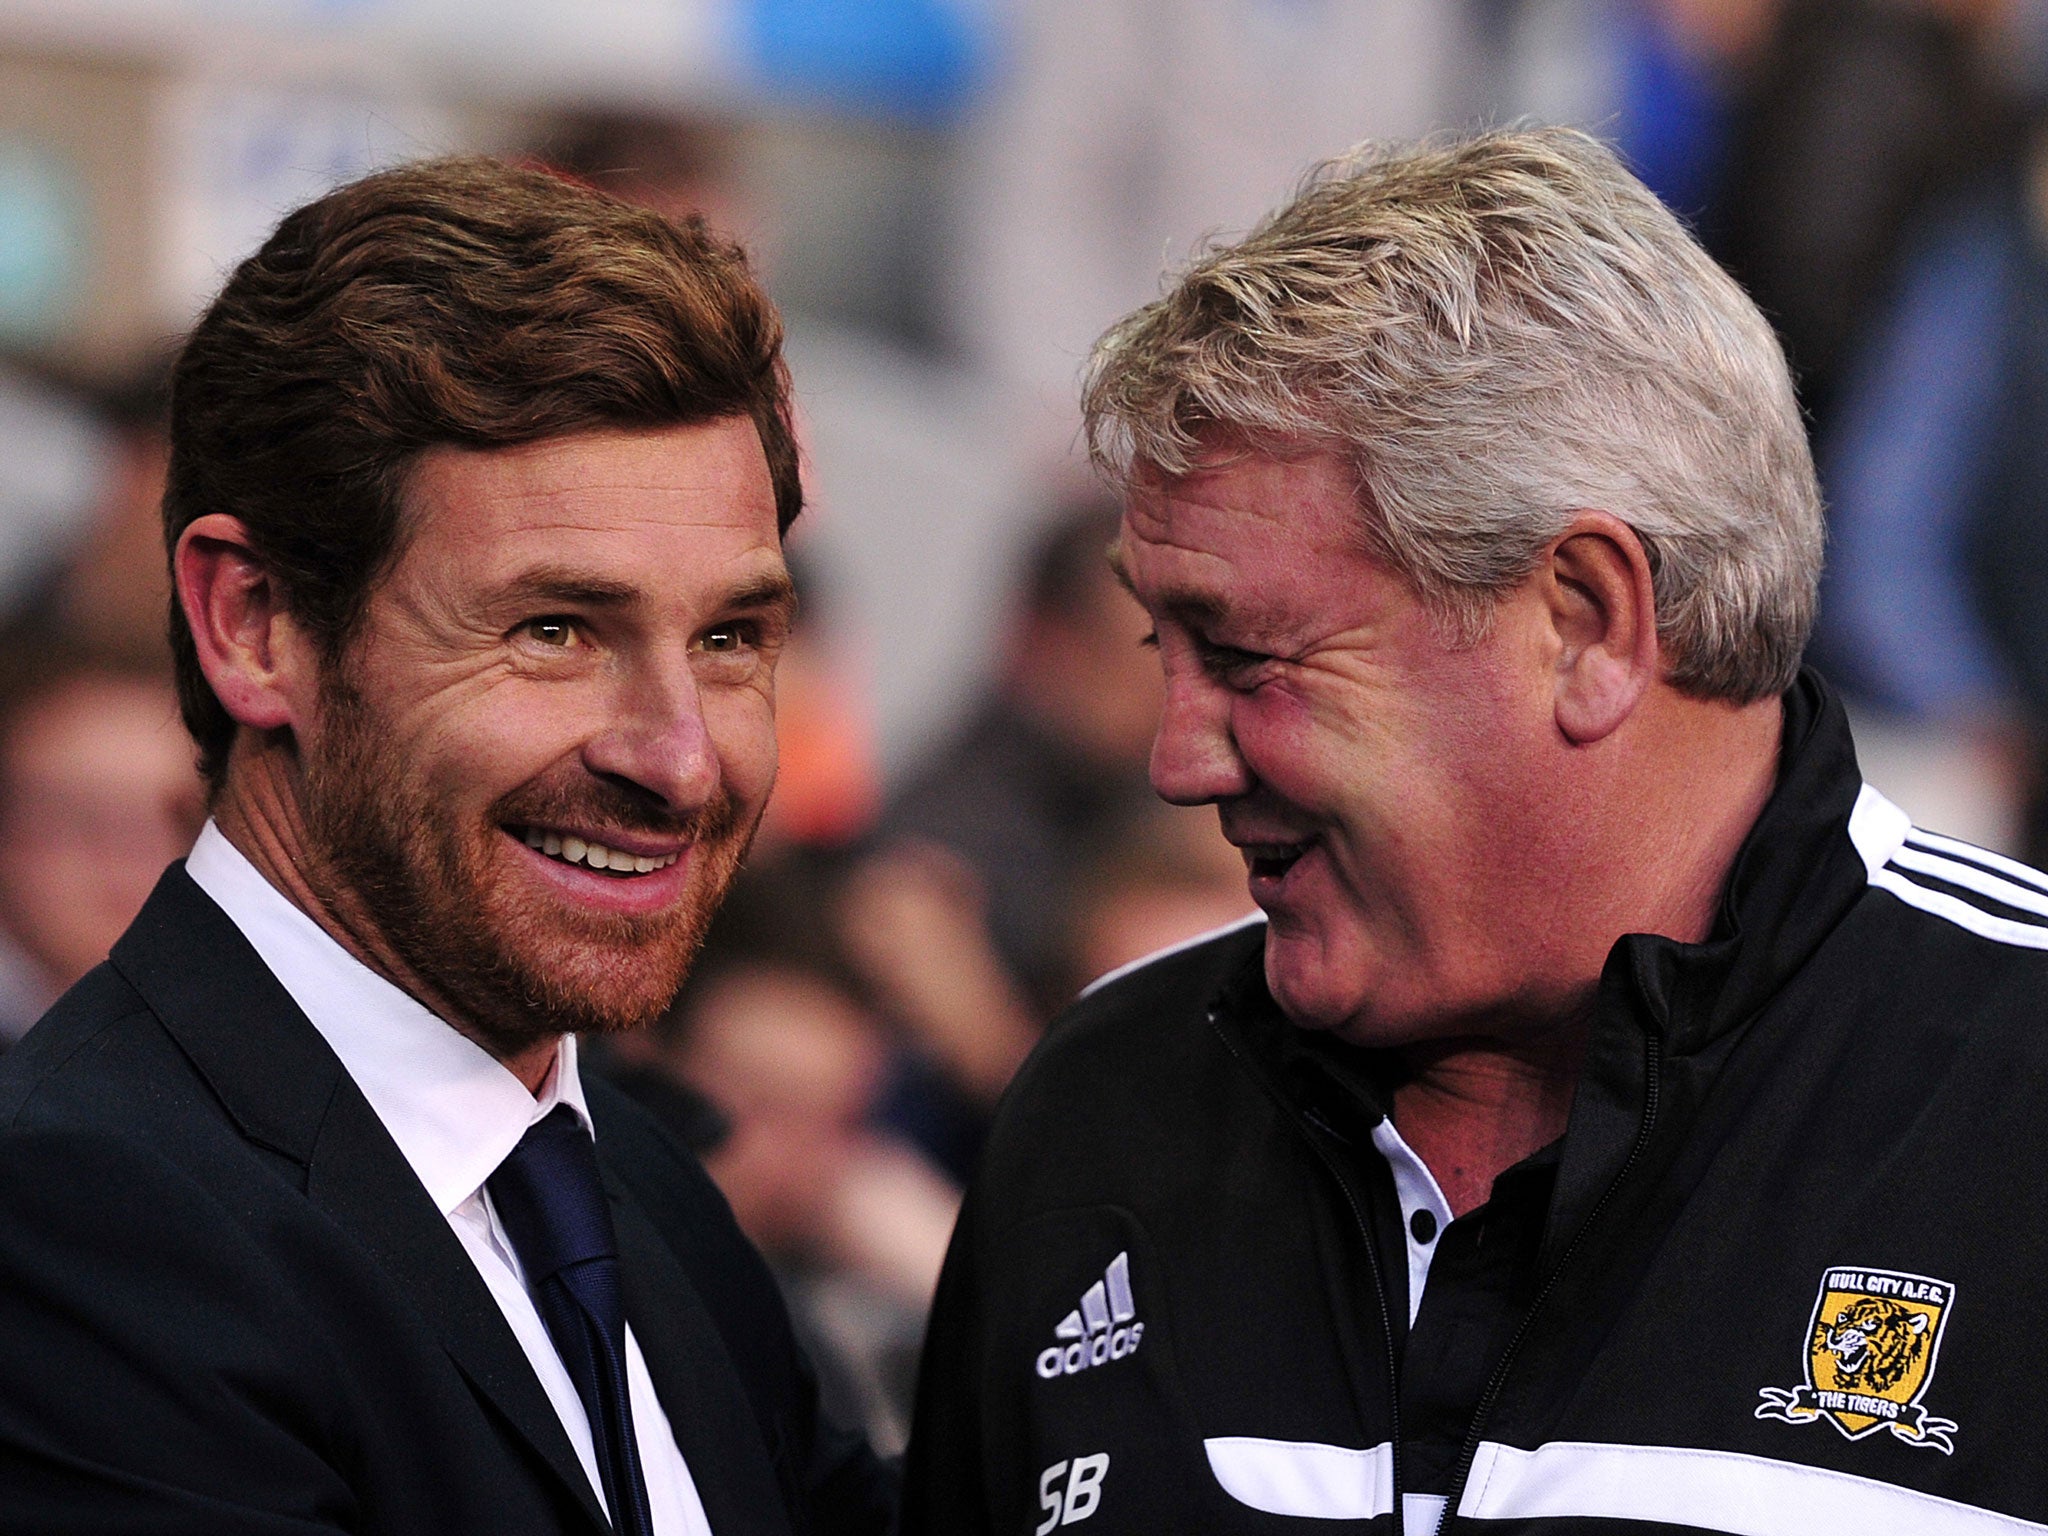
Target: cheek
{"points": [[741, 726], [483, 748], [1317, 752]]}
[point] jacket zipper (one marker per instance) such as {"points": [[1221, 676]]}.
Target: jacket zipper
{"points": [[1653, 1052], [1307, 1128]]}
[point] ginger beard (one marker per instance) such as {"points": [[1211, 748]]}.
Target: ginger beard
{"points": [[522, 965]]}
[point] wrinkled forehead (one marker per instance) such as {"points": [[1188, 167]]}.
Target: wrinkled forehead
{"points": [[1236, 526], [703, 479]]}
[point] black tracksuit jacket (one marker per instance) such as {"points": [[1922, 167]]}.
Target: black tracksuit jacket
{"points": [[1791, 1279]]}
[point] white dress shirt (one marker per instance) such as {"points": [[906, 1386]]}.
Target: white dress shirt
{"points": [[456, 1113]]}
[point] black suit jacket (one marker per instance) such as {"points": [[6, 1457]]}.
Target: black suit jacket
{"points": [[228, 1306]]}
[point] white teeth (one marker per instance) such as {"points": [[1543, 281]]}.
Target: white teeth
{"points": [[596, 855]]}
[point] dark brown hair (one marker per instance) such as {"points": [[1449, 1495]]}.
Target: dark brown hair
{"points": [[457, 301]]}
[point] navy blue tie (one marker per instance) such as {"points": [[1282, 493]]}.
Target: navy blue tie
{"points": [[551, 1202]]}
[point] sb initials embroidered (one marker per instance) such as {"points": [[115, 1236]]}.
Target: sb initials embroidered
{"points": [[1077, 1501]]}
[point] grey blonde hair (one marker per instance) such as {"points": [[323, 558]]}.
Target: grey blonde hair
{"points": [[1496, 332]]}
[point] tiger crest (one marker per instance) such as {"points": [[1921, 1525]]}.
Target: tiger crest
{"points": [[1875, 1344], [1870, 1353]]}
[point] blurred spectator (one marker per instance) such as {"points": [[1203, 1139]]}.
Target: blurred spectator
{"points": [[674, 165], [1937, 606], [827, 788], [2008, 538], [1679, 64], [773, 1031], [958, 917], [1165, 876], [1120, 132], [114, 588], [1054, 756], [97, 795], [1856, 114], [1934, 614], [57, 464]]}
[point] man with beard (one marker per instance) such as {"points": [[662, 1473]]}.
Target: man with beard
{"points": [[307, 1220]]}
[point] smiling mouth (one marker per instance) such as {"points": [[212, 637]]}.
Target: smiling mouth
{"points": [[1269, 861], [567, 848]]}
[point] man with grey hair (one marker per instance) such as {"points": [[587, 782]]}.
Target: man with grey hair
{"points": [[1599, 1128]]}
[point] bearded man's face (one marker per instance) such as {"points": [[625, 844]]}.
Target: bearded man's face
{"points": [[539, 761]]}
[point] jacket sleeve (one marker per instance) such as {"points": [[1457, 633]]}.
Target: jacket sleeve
{"points": [[151, 1378], [944, 1492]]}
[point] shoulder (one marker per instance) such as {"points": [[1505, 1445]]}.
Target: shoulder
{"points": [[1207, 960], [1940, 905], [109, 1236], [159, 1355], [1149, 1008], [1107, 1097], [96, 1046]]}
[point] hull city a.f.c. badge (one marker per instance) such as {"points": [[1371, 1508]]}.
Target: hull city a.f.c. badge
{"points": [[1870, 1354]]}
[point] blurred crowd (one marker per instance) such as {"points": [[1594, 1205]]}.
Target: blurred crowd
{"points": [[920, 904]]}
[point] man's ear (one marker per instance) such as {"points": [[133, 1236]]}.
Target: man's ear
{"points": [[1595, 580], [254, 657]]}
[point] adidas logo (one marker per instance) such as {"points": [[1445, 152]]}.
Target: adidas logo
{"points": [[1102, 1328]]}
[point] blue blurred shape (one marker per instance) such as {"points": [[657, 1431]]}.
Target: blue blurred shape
{"points": [[1672, 126], [42, 241], [917, 59]]}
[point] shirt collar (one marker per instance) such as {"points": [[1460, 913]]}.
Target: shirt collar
{"points": [[454, 1109]]}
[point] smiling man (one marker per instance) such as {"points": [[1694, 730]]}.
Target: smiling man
{"points": [[307, 1220], [1609, 1123]]}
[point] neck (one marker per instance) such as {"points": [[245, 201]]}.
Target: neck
{"points": [[1474, 1108], [258, 810], [1664, 811]]}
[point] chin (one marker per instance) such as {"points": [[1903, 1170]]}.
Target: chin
{"points": [[1306, 991], [585, 975], [1321, 992]]}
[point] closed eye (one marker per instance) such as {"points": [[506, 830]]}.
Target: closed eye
{"points": [[1230, 664]]}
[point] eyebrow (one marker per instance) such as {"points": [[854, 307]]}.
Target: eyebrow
{"points": [[563, 584], [774, 591], [1184, 603]]}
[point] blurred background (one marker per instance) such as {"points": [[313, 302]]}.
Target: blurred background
{"points": [[950, 199]]}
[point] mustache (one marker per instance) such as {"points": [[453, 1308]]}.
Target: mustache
{"points": [[599, 804]]}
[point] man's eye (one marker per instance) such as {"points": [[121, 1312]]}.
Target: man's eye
{"points": [[1230, 664], [726, 639], [552, 631]]}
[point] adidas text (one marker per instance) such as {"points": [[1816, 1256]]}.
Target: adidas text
{"points": [[1103, 1328]]}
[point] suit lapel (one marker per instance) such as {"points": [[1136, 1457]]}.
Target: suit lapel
{"points": [[361, 1179], [288, 1091], [708, 1409]]}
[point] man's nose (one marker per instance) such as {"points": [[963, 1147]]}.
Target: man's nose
{"points": [[1194, 757], [658, 739]]}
